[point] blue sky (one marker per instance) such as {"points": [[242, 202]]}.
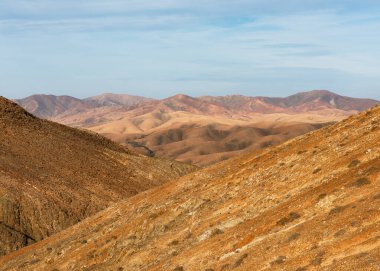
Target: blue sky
{"points": [[214, 47]]}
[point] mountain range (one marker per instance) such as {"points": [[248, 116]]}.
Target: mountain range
{"points": [[198, 130], [310, 203]]}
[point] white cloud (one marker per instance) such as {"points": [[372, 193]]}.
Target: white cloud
{"points": [[214, 45]]}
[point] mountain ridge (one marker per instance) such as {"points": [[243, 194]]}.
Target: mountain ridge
{"points": [[323, 98], [200, 130]]}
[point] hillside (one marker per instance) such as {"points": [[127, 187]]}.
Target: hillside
{"points": [[203, 143], [52, 176], [312, 203]]}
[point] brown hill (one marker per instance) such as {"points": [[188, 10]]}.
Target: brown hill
{"points": [[312, 203], [202, 139], [203, 144], [52, 176]]}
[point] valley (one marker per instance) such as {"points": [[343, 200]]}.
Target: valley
{"points": [[53, 176], [198, 130]]}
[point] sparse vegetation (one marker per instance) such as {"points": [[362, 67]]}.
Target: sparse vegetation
{"points": [[317, 261], [279, 260], [216, 232], [225, 267], [337, 210], [354, 163], [294, 236], [339, 233], [240, 260], [361, 182], [290, 218], [174, 243], [321, 196]]}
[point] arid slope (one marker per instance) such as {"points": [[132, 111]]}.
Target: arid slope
{"points": [[52, 176], [312, 203]]}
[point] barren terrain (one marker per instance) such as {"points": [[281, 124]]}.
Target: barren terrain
{"points": [[52, 176], [312, 203]]}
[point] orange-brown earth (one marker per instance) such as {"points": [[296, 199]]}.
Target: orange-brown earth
{"points": [[206, 143], [312, 203], [201, 130], [52, 176]]}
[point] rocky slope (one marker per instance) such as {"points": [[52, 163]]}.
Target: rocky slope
{"points": [[52, 176], [312, 203]]}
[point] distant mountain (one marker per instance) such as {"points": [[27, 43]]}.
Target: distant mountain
{"points": [[315, 100], [192, 105], [233, 106], [200, 130], [110, 99], [312, 203], [50, 106], [52, 176]]}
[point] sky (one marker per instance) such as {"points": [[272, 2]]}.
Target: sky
{"points": [[214, 47]]}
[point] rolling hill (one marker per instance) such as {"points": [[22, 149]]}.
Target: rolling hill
{"points": [[312, 203], [204, 143], [52, 176], [203, 130]]}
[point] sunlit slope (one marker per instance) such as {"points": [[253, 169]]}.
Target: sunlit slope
{"points": [[52, 176], [312, 203]]}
